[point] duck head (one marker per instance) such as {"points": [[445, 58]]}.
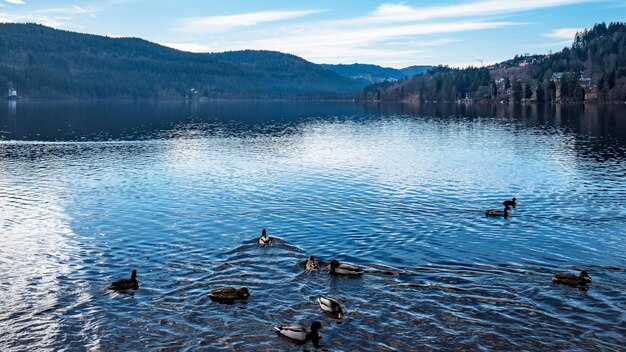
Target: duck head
{"points": [[338, 312], [334, 264], [263, 233], [243, 292], [584, 276], [315, 326], [133, 275]]}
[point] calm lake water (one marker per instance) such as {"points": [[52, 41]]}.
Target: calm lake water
{"points": [[180, 191]]}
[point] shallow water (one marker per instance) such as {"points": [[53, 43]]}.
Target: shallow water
{"points": [[180, 191]]}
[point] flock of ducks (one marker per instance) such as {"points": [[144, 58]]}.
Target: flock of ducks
{"points": [[329, 305], [231, 294], [582, 280]]}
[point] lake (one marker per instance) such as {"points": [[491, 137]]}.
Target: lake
{"points": [[181, 190]]}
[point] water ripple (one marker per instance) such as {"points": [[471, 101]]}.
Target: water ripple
{"points": [[402, 196]]}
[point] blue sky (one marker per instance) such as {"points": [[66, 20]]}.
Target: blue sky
{"points": [[387, 33]]}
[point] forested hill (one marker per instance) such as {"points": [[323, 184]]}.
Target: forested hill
{"points": [[593, 68], [374, 73], [43, 62]]}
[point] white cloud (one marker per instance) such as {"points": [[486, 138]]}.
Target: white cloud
{"points": [[16, 2], [50, 21], [563, 33], [56, 17], [366, 44], [401, 12], [408, 32], [223, 23], [73, 10]]}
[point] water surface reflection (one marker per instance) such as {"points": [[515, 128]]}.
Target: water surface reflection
{"points": [[180, 190]]}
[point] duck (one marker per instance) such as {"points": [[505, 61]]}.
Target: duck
{"points": [[581, 280], [497, 212], [300, 333], [126, 284], [331, 306], [229, 294], [264, 239], [509, 203], [311, 263], [344, 268]]}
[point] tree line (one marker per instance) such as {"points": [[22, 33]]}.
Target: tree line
{"points": [[592, 68], [43, 62]]}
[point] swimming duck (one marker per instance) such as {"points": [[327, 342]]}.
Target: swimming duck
{"points": [[312, 264], [582, 280], [126, 284], [331, 306], [344, 269], [510, 203], [264, 239], [498, 212], [229, 294], [300, 333]]}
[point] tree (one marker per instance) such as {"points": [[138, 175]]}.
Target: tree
{"points": [[540, 92], [528, 93], [517, 90], [551, 91]]}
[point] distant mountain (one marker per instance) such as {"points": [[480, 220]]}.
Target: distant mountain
{"points": [[374, 73], [415, 70], [593, 68], [44, 62]]}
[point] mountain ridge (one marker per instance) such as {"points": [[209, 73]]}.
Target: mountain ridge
{"points": [[40, 61], [374, 73]]}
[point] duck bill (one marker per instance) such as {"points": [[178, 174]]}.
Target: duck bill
{"points": [[340, 315]]}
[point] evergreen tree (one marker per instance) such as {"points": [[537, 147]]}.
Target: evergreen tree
{"points": [[517, 90]]}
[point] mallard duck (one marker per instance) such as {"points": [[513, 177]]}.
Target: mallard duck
{"points": [[126, 284], [344, 269], [311, 263], [300, 333], [229, 294], [264, 239], [497, 212], [582, 280], [509, 203], [331, 306]]}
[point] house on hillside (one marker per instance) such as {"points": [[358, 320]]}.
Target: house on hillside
{"points": [[12, 93], [556, 76]]}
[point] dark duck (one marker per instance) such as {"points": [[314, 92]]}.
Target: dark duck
{"points": [[582, 280], [229, 294], [126, 284], [498, 213], [509, 203]]}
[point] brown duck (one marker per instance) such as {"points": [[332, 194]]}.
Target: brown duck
{"points": [[581, 280], [229, 294]]}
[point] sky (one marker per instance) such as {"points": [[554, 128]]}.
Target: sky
{"points": [[388, 33]]}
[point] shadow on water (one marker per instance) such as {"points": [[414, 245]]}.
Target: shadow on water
{"points": [[179, 191]]}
